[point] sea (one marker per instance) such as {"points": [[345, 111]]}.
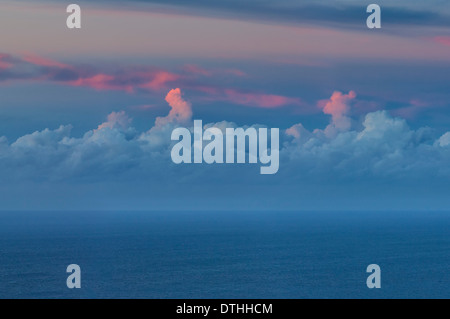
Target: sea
{"points": [[225, 254]]}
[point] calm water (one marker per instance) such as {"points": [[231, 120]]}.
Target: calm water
{"points": [[224, 254]]}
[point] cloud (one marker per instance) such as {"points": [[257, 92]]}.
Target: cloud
{"points": [[180, 112], [42, 139], [118, 120], [340, 14], [248, 98], [138, 79], [338, 106], [259, 99], [100, 82], [444, 40], [128, 79], [160, 80], [158, 137], [385, 148], [131, 79], [4, 62], [41, 61], [378, 162], [444, 140]]}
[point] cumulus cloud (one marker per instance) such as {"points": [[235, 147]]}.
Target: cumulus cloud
{"points": [[444, 140], [118, 120], [299, 132], [158, 136], [180, 112], [42, 139], [384, 147], [338, 107]]}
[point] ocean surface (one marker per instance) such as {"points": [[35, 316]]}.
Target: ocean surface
{"points": [[225, 254]]}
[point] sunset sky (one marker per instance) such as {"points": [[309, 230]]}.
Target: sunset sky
{"points": [[364, 114]]}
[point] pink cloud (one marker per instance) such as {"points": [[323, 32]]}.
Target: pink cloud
{"points": [[133, 79], [160, 80], [37, 60], [3, 64], [338, 107], [252, 99], [124, 79], [128, 81], [181, 110], [444, 40], [337, 104], [259, 99], [101, 82]]}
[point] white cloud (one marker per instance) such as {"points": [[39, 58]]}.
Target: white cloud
{"points": [[444, 140], [42, 139], [119, 120], [385, 147], [299, 132]]}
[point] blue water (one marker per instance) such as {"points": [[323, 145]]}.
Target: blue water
{"points": [[224, 254]]}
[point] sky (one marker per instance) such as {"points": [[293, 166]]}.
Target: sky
{"points": [[86, 114]]}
